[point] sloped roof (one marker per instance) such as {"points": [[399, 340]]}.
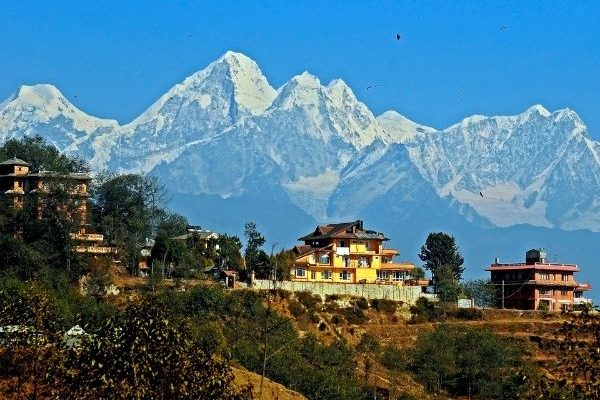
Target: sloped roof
{"points": [[343, 231], [15, 161]]}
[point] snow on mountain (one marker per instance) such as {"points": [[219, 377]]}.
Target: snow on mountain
{"points": [[537, 168], [401, 129], [225, 132], [307, 135], [196, 110], [42, 109]]}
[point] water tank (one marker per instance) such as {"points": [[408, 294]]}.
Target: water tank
{"points": [[536, 256]]}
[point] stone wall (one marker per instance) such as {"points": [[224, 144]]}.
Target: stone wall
{"points": [[406, 294]]}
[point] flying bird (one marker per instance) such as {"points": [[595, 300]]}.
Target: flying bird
{"points": [[371, 86], [481, 194], [398, 37], [503, 27]]}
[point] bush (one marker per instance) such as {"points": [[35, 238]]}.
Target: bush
{"points": [[281, 293], [354, 315], [426, 311], [332, 297], [296, 309], [470, 362], [385, 305], [336, 319], [309, 300], [368, 344], [395, 359], [468, 314], [362, 303]]}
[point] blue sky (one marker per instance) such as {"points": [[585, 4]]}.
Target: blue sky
{"points": [[113, 59]]}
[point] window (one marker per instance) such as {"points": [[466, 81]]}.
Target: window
{"points": [[565, 277], [345, 276], [364, 262], [300, 272], [313, 275], [324, 258], [326, 274], [342, 243], [564, 293], [397, 276], [382, 275], [311, 259], [544, 276], [546, 291], [368, 245]]}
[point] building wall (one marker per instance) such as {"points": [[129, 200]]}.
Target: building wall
{"points": [[407, 294]]}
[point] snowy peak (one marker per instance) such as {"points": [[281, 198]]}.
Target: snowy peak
{"points": [[41, 104], [537, 109], [302, 90], [232, 86], [400, 129]]}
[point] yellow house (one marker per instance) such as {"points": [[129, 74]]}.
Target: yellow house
{"points": [[348, 253]]}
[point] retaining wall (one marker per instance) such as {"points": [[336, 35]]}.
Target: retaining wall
{"points": [[406, 294]]}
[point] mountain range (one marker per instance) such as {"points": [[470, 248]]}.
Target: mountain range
{"points": [[231, 148]]}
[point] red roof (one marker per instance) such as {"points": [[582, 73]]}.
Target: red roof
{"points": [[536, 266]]}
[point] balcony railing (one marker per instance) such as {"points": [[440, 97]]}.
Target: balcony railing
{"points": [[91, 237], [94, 249]]}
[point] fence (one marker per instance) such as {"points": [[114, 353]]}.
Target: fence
{"points": [[406, 294]]}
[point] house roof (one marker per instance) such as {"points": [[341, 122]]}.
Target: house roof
{"points": [[536, 266], [15, 161], [304, 249], [344, 230], [60, 175], [201, 235]]}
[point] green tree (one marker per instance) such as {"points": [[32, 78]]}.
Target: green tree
{"points": [[230, 252], [467, 361], [481, 290], [40, 230], [142, 354], [254, 242], [128, 209], [438, 251], [41, 156]]}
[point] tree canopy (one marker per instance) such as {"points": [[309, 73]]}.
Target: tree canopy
{"points": [[440, 251]]}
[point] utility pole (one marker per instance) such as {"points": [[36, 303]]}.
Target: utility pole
{"points": [[266, 330], [503, 294]]}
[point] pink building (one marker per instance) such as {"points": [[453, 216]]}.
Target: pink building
{"points": [[538, 283]]}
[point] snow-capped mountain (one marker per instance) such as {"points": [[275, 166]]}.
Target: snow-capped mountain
{"points": [[539, 168], [225, 132], [43, 110]]}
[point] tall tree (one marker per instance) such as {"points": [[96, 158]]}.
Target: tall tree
{"points": [[439, 251], [128, 209], [254, 242], [41, 156]]}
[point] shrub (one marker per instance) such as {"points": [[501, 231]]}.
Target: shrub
{"points": [[354, 315], [332, 297], [308, 300], [468, 362], [468, 314], [426, 311], [385, 305], [281, 293], [362, 303], [296, 309], [395, 359], [336, 319], [368, 344]]}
